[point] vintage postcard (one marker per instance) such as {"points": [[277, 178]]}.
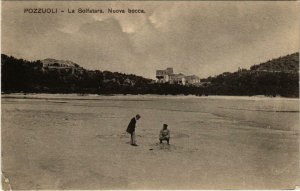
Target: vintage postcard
{"points": [[155, 95]]}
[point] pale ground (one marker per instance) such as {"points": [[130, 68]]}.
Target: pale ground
{"points": [[216, 143]]}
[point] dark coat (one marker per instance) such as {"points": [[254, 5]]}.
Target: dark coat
{"points": [[131, 126]]}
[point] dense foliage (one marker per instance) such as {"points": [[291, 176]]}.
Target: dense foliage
{"points": [[278, 77], [289, 63], [19, 75]]}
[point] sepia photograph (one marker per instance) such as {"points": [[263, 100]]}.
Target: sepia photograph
{"points": [[150, 95]]}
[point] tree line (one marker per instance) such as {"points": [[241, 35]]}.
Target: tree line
{"points": [[20, 75]]}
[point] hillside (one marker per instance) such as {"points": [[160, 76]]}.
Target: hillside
{"points": [[277, 77], [57, 76], [289, 63]]}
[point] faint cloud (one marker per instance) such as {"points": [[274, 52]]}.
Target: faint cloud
{"points": [[199, 37]]}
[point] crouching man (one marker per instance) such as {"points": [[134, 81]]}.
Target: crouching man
{"points": [[164, 134]]}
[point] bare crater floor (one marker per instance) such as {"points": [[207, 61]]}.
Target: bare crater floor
{"points": [[79, 142]]}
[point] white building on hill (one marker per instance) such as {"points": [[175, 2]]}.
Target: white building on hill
{"points": [[168, 76], [50, 64]]}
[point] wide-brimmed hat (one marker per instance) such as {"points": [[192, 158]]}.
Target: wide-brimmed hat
{"points": [[165, 125]]}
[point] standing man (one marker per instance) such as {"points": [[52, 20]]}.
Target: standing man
{"points": [[131, 129]]}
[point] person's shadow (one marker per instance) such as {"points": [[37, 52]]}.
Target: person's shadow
{"points": [[161, 146]]}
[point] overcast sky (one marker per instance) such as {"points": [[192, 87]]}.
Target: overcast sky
{"points": [[202, 38]]}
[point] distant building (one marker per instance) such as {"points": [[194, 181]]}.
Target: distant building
{"points": [[193, 79], [163, 76], [177, 79], [50, 64], [168, 76]]}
